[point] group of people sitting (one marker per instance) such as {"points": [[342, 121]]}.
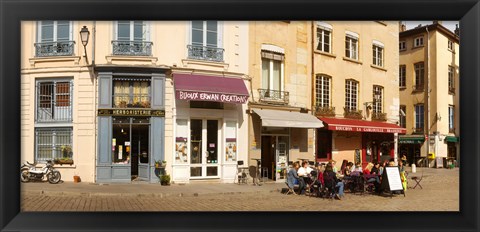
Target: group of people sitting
{"points": [[330, 177]]}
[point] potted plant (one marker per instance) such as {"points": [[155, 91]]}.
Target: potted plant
{"points": [[165, 179], [160, 164]]}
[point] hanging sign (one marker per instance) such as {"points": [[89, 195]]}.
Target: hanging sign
{"points": [[131, 112]]}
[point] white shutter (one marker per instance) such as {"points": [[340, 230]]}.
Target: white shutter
{"points": [[219, 34]]}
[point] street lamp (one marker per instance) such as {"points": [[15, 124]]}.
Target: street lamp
{"points": [[84, 34]]}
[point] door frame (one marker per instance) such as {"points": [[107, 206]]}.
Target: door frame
{"points": [[204, 165], [276, 153]]}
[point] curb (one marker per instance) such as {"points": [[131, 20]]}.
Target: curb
{"points": [[160, 195]]}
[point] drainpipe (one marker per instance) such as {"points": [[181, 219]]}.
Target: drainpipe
{"points": [[313, 92], [94, 102], [427, 147]]}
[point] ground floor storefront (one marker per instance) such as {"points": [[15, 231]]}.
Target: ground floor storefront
{"points": [[356, 141], [443, 150], [277, 139]]}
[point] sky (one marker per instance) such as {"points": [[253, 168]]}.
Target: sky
{"points": [[448, 24]]}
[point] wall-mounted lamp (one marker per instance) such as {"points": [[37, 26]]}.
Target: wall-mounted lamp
{"points": [[376, 98], [84, 34]]}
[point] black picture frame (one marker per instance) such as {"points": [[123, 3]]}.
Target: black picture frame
{"points": [[13, 12]]}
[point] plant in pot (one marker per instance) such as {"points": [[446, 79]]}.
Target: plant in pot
{"points": [[160, 164], [165, 179]]}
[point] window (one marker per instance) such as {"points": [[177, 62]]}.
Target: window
{"points": [[54, 101], [377, 99], [132, 39], [53, 143], [402, 76], [402, 45], [417, 42], [131, 93], [451, 46], [351, 93], [451, 79], [54, 38], [322, 88], [231, 141], [451, 119], [272, 70], [377, 55], [403, 116], [419, 76], [419, 117], [351, 46], [130, 141], [205, 41], [324, 32]]}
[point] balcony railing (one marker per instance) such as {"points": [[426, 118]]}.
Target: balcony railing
{"points": [[378, 116], [58, 48], [418, 130], [197, 52], [328, 111], [350, 113], [131, 101], [274, 96], [451, 90], [132, 48], [418, 88]]}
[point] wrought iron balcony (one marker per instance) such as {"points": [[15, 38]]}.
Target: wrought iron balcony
{"points": [[379, 116], [132, 48], [325, 111], [205, 53], [57, 48], [419, 88], [274, 96], [351, 113], [131, 101]]}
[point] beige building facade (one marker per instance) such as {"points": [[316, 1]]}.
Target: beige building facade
{"points": [[429, 60], [112, 111], [355, 90]]}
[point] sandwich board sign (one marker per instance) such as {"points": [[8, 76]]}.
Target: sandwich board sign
{"points": [[394, 179]]}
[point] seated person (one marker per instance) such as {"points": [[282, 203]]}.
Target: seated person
{"points": [[330, 178], [321, 169], [304, 172], [293, 177]]}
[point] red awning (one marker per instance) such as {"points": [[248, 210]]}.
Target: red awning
{"points": [[210, 88], [362, 126]]}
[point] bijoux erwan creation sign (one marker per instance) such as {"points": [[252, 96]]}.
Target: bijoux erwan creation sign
{"points": [[217, 97]]}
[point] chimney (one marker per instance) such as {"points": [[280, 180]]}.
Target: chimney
{"points": [[437, 22], [403, 27], [457, 30]]}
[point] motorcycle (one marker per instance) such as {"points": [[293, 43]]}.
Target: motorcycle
{"points": [[28, 172]]}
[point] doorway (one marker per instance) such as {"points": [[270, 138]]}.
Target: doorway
{"points": [[204, 152], [275, 156]]}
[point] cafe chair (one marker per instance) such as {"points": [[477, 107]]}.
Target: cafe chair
{"points": [[241, 176], [291, 190], [417, 181]]}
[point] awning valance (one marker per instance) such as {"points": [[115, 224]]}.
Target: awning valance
{"points": [[280, 118], [411, 139], [339, 124], [210, 88], [451, 139]]}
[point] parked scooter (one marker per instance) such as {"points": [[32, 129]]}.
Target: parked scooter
{"points": [[28, 172]]}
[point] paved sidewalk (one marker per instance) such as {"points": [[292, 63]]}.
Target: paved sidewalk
{"points": [[146, 189]]}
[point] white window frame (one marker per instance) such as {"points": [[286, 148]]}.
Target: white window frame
{"points": [[378, 53], [403, 117], [418, 41], [402, 76], [378, 105], [204, 30], [451, 117], [418, 116], [451, 45], [323, 90], [420, 77], [55, 30], [353, 44], [54, 106], [350, 94], [322, 28], [402, 45], [146, 32], [54, 144], [276, 49]]}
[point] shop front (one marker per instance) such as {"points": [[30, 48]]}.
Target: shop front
{"points": [[284, 138], [209, 120], [356, 141], [411, 147], [131, 123]]}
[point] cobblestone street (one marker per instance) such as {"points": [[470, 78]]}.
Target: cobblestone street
{"points": [[440, 193]]}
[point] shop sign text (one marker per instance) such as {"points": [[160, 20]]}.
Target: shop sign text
{"points": [[216, 97], [365, 129], [131, 112]]}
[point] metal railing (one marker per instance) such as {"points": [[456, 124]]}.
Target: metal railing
{"points": [[379, 116], [350, 113], [132, 48], [54, 102], [273, 96], [325, 110], [57, 48], [131, 101], [205, 53]]}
